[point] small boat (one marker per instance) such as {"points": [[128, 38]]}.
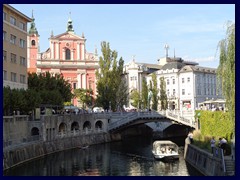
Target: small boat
{"points": [[165, 150]]}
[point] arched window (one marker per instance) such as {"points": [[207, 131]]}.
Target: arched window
{"points": [[68, 54], [33, 42]]}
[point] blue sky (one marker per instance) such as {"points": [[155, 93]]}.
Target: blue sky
{"points": [[142, 30]]}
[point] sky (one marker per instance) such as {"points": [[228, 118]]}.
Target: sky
{"points": [[192, 31]]}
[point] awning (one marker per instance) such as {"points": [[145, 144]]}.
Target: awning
{"points": [[219, 101], [208, 102]]}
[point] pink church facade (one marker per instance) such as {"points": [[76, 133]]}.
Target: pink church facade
{"points": [[66, 55]]}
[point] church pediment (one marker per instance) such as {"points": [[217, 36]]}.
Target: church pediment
{"points": [[67, 35]]}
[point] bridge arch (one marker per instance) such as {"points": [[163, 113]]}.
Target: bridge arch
{"points": [[34, 131], [176, 130], [74, 126], [99, 124], [62, 127], [87, 125]]}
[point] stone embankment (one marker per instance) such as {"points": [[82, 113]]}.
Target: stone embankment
{"points": [[206, 163], [26, 152]]}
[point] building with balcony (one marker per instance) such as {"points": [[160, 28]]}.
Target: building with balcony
{"points": [[14, 48], [66, 55]]}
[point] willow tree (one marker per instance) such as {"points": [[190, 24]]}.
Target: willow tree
{"points": [[226, 69]]}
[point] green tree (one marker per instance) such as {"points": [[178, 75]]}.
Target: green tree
{"points": [[135, 98], [154, 92], [163, 95], [52, 89], [84, 96], [7, 97], [109, 78], [20, 100], [122, 94], [144, 96], [33, 100], [226, 69]]}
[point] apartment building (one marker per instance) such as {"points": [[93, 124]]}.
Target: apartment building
{"points": [[14, 48]]}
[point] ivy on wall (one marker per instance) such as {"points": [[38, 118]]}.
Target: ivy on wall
{"points": [[216, 123]]}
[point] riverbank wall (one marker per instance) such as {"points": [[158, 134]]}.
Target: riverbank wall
{"points": [[26, 152], [204, 162]]}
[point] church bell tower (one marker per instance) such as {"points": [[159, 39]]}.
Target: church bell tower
{"points": [[33, 47]]}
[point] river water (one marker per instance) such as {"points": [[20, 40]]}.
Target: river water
{"points": [[131, 157]]}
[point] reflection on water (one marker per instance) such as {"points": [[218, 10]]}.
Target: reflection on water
{"points": [[131, 157]]}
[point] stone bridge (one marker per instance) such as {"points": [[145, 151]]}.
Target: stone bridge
{"points": [[124, 120]]}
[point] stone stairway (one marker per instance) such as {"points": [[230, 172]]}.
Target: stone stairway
{"points": [[230, 167]]}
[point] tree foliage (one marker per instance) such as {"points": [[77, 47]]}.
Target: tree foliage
{"points": [[20, 100], [226, 69], [163, 95], [84, 96], [121, 95], [135, 98], [144, 96], [109, 79], [42, 89], [45, 83], [154, 92]]}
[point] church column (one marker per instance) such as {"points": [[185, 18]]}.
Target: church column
{"points": [[78, 51], [63, 54], [72, 55], [57, 50], [52, 50], [82, 53], [84, 80], [79, 80]]}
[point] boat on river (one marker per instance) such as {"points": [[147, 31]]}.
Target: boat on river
{"points": [[165, 150]]}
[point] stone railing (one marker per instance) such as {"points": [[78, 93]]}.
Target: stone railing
{"points": [[129, 117]]}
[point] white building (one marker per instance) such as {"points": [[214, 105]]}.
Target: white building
{"points": [[187, 84], [135, 72]]}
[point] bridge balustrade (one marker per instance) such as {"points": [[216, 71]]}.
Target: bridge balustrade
{"points": [[173, 115]]}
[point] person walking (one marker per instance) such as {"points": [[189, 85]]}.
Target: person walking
{"points": [[190, 136], [212, 142], [223, 144]]}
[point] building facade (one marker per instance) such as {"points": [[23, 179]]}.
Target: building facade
{"points": [[187, 84], [14, 48], [135, 72], [66, 55]]}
